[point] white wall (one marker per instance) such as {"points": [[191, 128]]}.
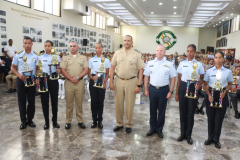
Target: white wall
{"points": [[233, 41], [15, 23], [144, 37], [207, 37]]}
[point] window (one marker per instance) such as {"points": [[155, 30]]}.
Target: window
{"points": [[89, 20], [104, 23], [84, 19], [117, 30], [93, 19], [48, 6], [101, 22], [97, 20], [21, 2], [234, 24]]}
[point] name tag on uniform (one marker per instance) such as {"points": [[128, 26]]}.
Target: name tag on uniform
{"points": [[44, 60], [185, 66], [151, 66], [20, 57], [95, 61], [213, 76]]}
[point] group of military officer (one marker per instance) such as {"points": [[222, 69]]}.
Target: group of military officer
{"points": [[128, 66]]}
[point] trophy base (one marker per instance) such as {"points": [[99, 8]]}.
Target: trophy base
{"points": [[31, 85], [39, 91], [98, 86], [54, 78], [216, 107], [191, 97]]}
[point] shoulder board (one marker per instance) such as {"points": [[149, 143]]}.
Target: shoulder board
{"points": [[36, 53], [210, 67], [168, 60], [19, 52], [39, 54], [198, 60], [226, 67]]}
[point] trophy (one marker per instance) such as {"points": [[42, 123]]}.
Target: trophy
{"points": [[42, 79], [217, 88], [27, 72], [100, 73], [53, 65], [195, 79], [234, 84]]}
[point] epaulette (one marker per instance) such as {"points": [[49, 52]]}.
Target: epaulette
{"points": [[226, 67], [168, 59], [19, 52], [210, 67], [36, 53], [198, 60], [39, 53]]}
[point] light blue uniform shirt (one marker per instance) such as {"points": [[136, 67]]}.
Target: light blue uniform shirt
{"points": [[160, 72], [46, 59], [185, 68], [95, 62], [211, 78], [31, 61]]}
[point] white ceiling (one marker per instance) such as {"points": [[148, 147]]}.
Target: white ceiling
{"points": [[182, 13]]}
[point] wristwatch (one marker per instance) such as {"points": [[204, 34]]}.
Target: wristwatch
{"points": [[77, 78], [139, 86], [171, 92]]}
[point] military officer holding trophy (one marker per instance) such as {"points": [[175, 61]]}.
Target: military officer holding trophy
{"points": [[128, 63], [27, 65], [74, 67], [98, 74], [47, 85], [190, 78], [217, 82]]}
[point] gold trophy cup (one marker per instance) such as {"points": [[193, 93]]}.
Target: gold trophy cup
{"points": [[42, 79], [27, 72], [217, 88], [53, 64], [100, 73]]}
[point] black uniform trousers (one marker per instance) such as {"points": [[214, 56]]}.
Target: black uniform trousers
{"points": [[26, 94], [187, 108], [97, 101], [53, 91], [202, 93], [216, 116], [158, 104], [234, 97]]}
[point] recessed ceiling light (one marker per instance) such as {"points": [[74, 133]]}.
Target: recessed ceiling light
{"points": [[216, 24], [174, 13], [160, 3], [219, 22], [96, 10], [223, 20], [174, 7], [231, 14], [226, 17], [144, 0], [102, 13], [152, 12]]}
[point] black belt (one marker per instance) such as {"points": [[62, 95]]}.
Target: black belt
{"points": [[125, 79], [158, 87], [220, 88]]}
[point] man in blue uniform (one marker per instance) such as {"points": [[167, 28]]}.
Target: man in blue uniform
{"points": [[160, 71], [22, 91]]}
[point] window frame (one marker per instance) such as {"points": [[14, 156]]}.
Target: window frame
{"points": [[30, 4], [60, 10]]}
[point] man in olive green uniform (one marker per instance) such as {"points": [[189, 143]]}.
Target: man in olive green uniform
{"points": [[74, 67], [128, 63]]}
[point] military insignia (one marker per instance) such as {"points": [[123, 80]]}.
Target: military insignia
{"points": [[165, 65], [19, 52], [151, 66], [36, 53], [185, 66]]}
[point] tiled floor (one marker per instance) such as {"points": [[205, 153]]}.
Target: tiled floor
{"points": [[76, 143]]}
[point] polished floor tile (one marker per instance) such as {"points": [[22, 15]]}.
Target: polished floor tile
{"points": [[104, 144]]}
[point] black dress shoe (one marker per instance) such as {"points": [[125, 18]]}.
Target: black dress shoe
{"points": [[56, 125], [82, 125], [181, 138], [32, 124], [14, 90], [189, 140], [36, 94], [150, 133], [197, 111], [9, 91], [100, 125], [128, 130], [237, 116], [23, 126], [117, 128], [201, 111], [208, 142], [160, 134], [218, 145], [46, 126], [94, 125], [68, 126]]}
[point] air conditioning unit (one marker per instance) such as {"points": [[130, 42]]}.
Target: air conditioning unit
{"points": [[77, 6]]}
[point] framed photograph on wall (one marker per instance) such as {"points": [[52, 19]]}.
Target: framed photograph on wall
{"points": [[219, 31], [2, 13], [54, 34], [33, 31], [61, 27], [3, 28], [55, 43], [25, 30], [3, 20], [67, 30], [71, 30], [225, 28], [55, 26], [39, 31]]}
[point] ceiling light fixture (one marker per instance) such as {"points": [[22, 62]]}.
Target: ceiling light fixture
{"points": [[226, 17], [152, 12], [231, 14], [174, 13], [174, 7], [160, 3]]}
